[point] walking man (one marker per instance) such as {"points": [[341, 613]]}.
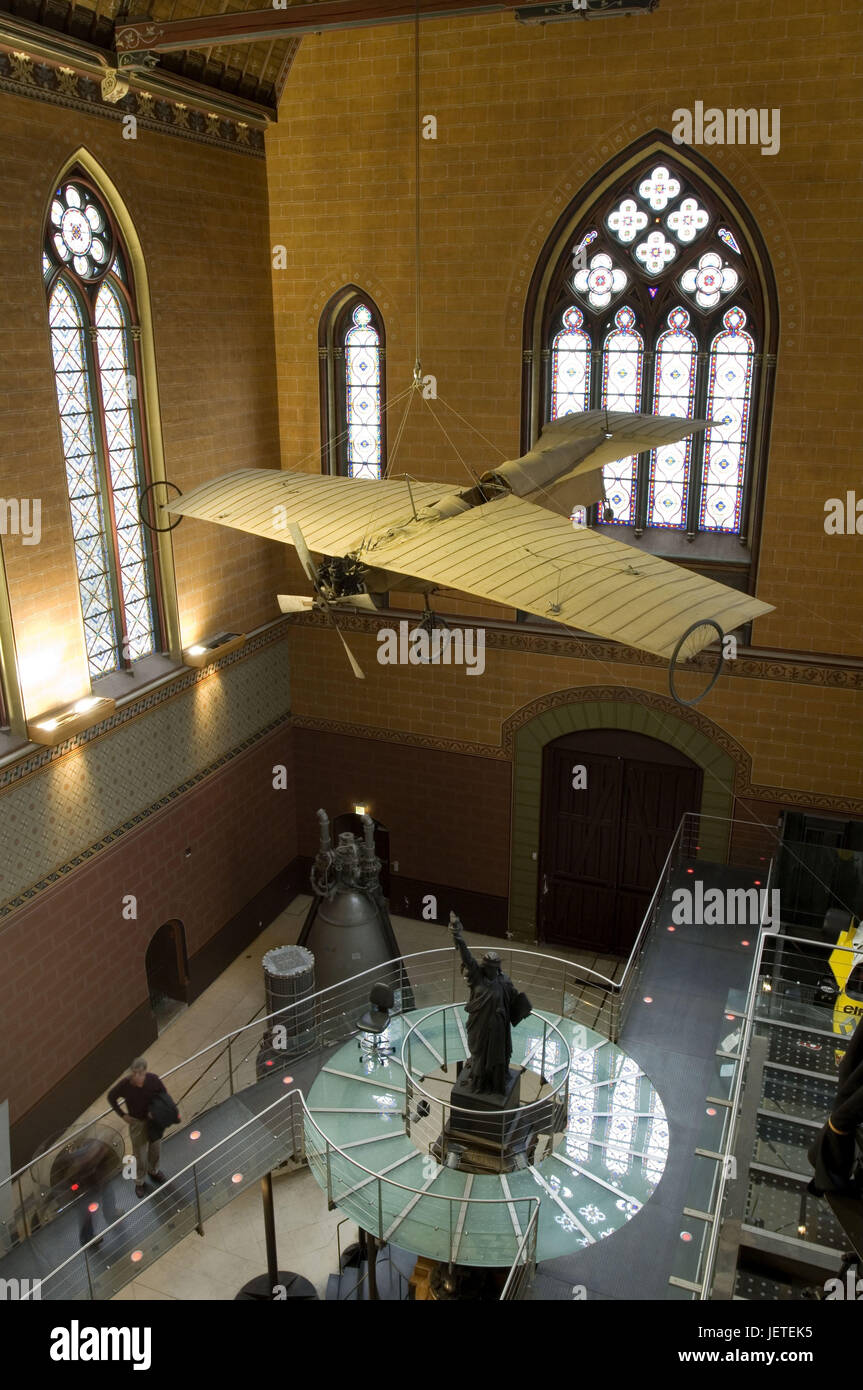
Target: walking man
{"points": [[138, 1090]]}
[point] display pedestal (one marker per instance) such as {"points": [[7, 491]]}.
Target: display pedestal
{"points": [[485, 1140]]}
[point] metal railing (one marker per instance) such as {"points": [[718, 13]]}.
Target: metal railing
{"points": [[236, 1062], [725, 1166], [109, 1260], [520, 1278], [793, 1000], [380, 1204], [113, 1257], [438, 1126]]}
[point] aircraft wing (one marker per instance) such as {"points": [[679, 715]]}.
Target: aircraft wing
{"points": [[333, 513], [514, 553], [564, 467]]}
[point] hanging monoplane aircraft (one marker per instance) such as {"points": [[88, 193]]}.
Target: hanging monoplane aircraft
{"points": [[508, 538]]}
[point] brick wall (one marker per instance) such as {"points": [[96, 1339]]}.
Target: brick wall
{"points": [[201, 215], [525, 117], [799, 736], [72, 968], [448, 814]]}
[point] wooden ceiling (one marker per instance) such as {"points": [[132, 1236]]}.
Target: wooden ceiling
{"points": [[254, 71]]}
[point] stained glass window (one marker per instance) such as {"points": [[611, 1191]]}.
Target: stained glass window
{"points": [[351, 350], [647, 312], [728, 405], [91, 317], [363, 391], [602, 281], [673, 394], [622, 364], [570, 366], [728, 237], [123, 447]]}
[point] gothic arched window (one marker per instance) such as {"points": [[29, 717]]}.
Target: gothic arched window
{"points": [[352, 349], [649, 296], [94, 342]]}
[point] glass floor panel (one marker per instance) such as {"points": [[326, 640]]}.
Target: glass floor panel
{"points": [[606, 1165]]}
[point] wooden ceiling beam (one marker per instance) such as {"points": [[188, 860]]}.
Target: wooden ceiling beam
{"points": [[305, 18]]}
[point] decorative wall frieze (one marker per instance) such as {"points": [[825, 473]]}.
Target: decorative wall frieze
{"points": [[400, 736], [32, 762], [135, 822], [743, 787], [793, 667], [99, 93]]}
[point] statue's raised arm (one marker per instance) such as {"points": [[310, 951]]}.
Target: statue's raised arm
{"points": [[470, 963]]}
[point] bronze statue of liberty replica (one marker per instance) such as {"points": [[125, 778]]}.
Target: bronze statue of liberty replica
{"points": [[494, 1007], [485, 1131]]}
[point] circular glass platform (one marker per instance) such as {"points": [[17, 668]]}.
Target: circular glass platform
{"points": [[374, 1162]]}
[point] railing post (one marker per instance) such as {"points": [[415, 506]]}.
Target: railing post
{"points": [[380, 1209], [297, 1113], [444, 1011], [230, 1066], [199, 1224], [23, 1208], [563, 995], [89, 1279], [330, 1202], [542, 1063]]}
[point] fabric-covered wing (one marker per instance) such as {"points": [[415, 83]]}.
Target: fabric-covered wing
{"points": [[334, 514], [564, 465], [516, 554]]}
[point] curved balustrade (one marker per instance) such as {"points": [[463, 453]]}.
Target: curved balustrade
{"points": [[440, 1128], [237, 1062], [450, 1224]]}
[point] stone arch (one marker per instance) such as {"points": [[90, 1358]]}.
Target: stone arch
{"points": [[724, 763]]}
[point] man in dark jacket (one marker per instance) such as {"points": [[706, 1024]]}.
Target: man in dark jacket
{"points": [[138, 1090], [832, 1155]]}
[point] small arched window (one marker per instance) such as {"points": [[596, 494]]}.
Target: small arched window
{"points": [[95, 347], [352, 351], [650, 296]]}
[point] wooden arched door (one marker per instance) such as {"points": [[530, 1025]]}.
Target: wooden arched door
{"points": [[611, 802]]}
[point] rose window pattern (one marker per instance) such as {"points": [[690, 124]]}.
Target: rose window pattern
{"points": [[91, 317], [81, 233], [656, 310]]}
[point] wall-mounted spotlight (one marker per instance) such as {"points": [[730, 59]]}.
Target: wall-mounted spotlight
{"points": [[212, 649], [360, 809], [52, 729]]}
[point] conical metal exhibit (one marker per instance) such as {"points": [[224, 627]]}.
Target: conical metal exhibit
{"points": [[348, 926]]}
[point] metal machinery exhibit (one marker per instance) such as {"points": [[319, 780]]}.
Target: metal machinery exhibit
{"points": [[348, 927]]}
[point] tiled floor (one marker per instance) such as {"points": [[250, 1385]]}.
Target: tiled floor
{"points": [[232, 1250]]}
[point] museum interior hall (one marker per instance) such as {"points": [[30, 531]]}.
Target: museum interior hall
{"points": [[431, 574]]}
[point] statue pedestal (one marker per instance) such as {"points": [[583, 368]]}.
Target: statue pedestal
{"points": [[491, 1141]]}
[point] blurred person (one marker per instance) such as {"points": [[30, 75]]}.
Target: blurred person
{"points": [[833, 1153]]}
